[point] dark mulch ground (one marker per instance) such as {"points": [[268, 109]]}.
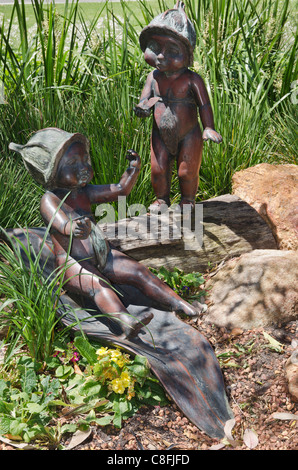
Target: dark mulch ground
{"points": [[256, 384]]}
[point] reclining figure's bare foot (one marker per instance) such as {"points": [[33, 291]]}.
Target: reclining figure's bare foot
{"points": [[192, 310], [202, 308], [131, 326]]}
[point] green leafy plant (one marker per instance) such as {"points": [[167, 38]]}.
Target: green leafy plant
{"points": [[114, 383], [187, 285], [28, 403], [102, 385]]}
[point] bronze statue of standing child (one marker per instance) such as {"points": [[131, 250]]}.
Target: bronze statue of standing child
{"points": [[175, 93]]}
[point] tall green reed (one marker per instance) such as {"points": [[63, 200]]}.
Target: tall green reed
{"points": [[246, 54], [54, 58], [18, 193]]}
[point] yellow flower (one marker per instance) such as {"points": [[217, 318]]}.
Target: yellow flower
{"points": [[121, 383], [120, 362], [115, 353], [117, 386], [125, 377], [102, 352]]}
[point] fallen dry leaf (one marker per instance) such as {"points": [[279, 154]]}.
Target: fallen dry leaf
{"points": [[236, 332], [228, 432], [78, 438], [219, 446], [250, 438], [284, 416], [17, 445], [77, 370]]}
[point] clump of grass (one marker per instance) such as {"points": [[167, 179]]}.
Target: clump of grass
{"points": [[30, 300], [19, 196]]}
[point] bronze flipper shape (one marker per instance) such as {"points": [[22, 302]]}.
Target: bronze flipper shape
{"points": [[184, 363]]}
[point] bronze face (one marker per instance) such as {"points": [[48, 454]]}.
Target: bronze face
{"points": [[74, 169], [166, 54]]}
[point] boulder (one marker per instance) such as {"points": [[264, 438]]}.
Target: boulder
{"points": [[272, 190], [257, 289], [292, 374]]}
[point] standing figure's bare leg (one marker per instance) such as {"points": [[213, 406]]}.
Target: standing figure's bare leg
{"points": [[161, 170], [189, 162]]}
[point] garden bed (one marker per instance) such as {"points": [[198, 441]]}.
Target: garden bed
{"points": [[254, 374], [257, 388]]}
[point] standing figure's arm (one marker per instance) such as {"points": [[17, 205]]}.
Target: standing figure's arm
{"points": [[147, 101], [205, 110]]}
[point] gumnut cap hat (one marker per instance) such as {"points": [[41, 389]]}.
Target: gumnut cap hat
{"points": [[44, 150], [172, 22]]}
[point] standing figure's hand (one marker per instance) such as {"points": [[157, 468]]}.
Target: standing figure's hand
{"points": [[211, 134], [141, 110]]}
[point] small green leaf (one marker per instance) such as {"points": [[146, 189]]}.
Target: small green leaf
{"points": [[57, 403], [117, 420], [3, 387], [6, 407], [274, 344], [68, 428], [139, 367], [29, 380], [104, 421], [85, 349], [62, 372], [35, 407], [91, 388], [5, 424], [17, 428]]}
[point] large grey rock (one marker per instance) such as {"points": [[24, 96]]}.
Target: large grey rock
{"points": [[258, 289]]}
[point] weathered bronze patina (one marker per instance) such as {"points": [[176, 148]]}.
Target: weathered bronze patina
{"points": [[113, 296], [61, 162], [175, 94]]}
